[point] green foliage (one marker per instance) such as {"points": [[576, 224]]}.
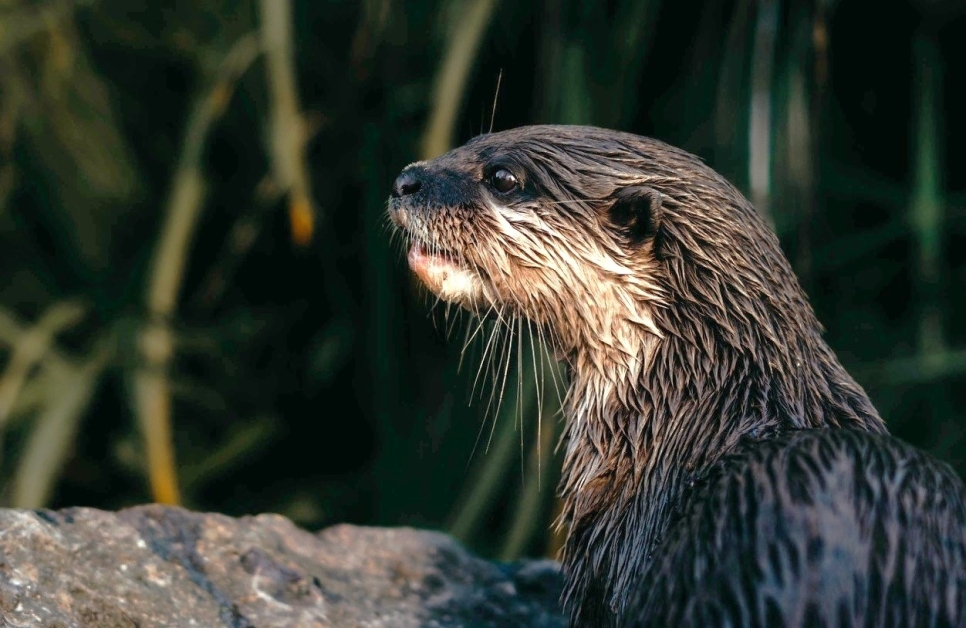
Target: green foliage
{"points": [[201, 301]]}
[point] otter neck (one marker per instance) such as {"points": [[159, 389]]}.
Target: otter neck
{"points": [[641, 428]]}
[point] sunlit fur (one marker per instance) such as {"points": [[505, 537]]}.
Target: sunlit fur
{"points": [[682, 346]]}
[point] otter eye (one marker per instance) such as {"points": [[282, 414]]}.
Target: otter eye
{"points": [[503, 180]]}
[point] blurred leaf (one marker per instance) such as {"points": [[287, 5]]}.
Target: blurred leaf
{"points": [[29, 348], [287, 128], [54, 432], [462, 44], [760, 127], [733, 98], [239, 443], [70, 127], [329, 350], [926, 212]]}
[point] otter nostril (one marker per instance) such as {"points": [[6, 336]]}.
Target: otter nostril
{"points": [[407, 183]]}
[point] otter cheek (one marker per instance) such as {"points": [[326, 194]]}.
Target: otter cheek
{"points": [[446, 278]]}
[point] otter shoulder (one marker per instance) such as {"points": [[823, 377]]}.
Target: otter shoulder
{"points": [[815, 527]]}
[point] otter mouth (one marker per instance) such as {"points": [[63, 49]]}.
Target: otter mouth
{"points": [[446, 275], [432, 264]]}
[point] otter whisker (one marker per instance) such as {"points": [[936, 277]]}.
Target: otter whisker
{"points": [[557, 386], [497, 356], [396, 238], [486, 417], [562, 399], [386, 220], [481, 321], [432, 314], [575, 200], [490, 344], [471, 333], [493, 362], [487, 352], [496, 96], [538, 388], [450, 319], [486, 413], [515, 328], [489, 348], [506, 370]]}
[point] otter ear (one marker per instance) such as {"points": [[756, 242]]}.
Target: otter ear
{"points": [[636, 212]]}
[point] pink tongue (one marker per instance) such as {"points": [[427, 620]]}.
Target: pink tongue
{"points": [[430, 269], [418, 258]]}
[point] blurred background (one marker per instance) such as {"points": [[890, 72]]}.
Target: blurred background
{"points": [[200, 304]]}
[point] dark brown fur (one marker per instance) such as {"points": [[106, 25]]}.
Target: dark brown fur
{"points": [[688, 339]]}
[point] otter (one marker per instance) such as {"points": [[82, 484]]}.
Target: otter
{"points": [[721, 467]]}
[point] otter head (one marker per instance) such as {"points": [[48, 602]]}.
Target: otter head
{"points": [[559, 225]]}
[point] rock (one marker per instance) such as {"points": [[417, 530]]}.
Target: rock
{"points": [[161, 566]]}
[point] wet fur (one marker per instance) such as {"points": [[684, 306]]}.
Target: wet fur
{"points": [[695, 361]]}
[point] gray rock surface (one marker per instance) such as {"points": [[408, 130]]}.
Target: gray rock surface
{"points": [[160, 566]]}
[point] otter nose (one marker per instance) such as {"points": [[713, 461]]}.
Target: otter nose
{"points": [[406, 183]]}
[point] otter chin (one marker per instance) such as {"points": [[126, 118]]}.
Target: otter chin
{"points": [[721, 467]]}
